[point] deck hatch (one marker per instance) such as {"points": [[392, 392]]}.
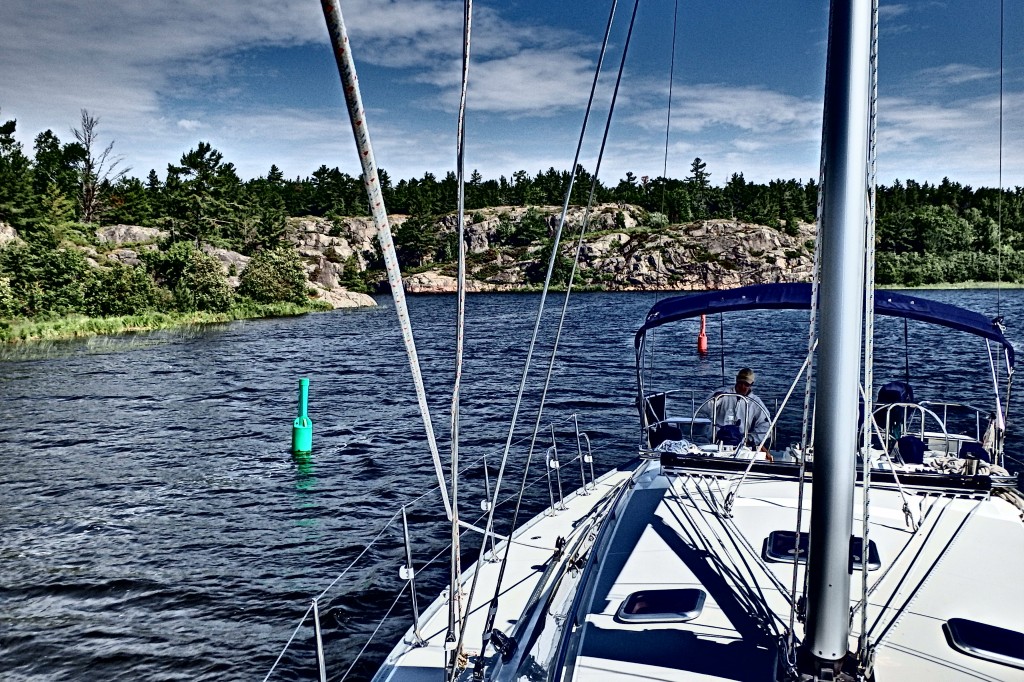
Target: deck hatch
{"points": [[780, 546], [661, 606], [988, 642]]}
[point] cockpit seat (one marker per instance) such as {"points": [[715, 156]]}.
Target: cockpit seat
{"points": [[910, 449], [971, 449], [658, 428]]}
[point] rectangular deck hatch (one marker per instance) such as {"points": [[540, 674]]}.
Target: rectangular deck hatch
{"points": [[988, 642], [661, 606], [780, 546]]}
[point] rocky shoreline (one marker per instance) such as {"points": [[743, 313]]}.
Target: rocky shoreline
{"points": [[620, 252], [625, 249]]}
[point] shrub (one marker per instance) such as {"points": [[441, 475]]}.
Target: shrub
{"points": [[352, 278], [657, 220], [505, 232], [274, 275], [167, 266], [538, 269], [702, 255], [531, 228], [202, 286], [8, 301], [44, 280], [121, 290]]}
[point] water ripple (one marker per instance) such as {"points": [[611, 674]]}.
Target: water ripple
{"points": [[154, 525]]}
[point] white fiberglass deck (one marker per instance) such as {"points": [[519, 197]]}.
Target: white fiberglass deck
{"points": [[962, 562], [531, 552]]}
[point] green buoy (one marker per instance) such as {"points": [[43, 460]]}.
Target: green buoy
{"points": [[302, 427]]}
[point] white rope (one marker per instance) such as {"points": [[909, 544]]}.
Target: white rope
{"points": [[791, 639], [357, 116], [907, 513], [895, 561], [918, 541], [1000, 423]]}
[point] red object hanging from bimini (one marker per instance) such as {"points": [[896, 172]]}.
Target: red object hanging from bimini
{"points": [[702, 337]]}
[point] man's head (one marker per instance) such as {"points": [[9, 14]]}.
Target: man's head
{"points": [[745, 381]]}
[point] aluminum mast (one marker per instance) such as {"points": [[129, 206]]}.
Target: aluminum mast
{"points": [[841, 312]]}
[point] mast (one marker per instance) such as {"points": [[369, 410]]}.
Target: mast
{"points": [[841, 309]]}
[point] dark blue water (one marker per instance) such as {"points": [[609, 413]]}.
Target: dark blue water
{"points": [[154, 526]]}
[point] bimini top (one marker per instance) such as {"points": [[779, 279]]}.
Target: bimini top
{"points": [[797, 296]]}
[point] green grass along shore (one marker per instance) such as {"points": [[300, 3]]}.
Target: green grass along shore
{"points": [[80, 326]]}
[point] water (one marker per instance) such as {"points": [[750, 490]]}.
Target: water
{"points": [[154, 525]]}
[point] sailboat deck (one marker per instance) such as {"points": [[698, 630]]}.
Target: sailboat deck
{"points": [[673, 535], [531, 554]]}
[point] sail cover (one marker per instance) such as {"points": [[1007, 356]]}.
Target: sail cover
{"points": [[797, 296]]}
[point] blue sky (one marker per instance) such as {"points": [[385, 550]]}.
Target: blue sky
{"points": [[257, 80]]}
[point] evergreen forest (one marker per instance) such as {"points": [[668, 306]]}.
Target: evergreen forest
{"points": [[58, 193]]}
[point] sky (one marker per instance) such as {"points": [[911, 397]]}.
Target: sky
{"points": [[257, 80]]}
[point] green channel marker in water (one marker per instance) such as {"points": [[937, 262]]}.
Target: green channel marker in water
{"points": [[302, 427]]}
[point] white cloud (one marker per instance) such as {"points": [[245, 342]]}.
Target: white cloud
{"points": [[956, 74], [535, 81], [120, 59], [955, 138], [886, 11], [129, 61], [754, 109], [159, 74]]}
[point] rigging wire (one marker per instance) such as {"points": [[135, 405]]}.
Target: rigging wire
{"points": [[454, 601], [954, 536], [668, 116], [583, 229], [999, 230], [584, 224], [668, 129], [493, 606], [730, 498], [869, 335], [999, 194], [807, 423], [721, 343], [409, 504], [906, 351]]}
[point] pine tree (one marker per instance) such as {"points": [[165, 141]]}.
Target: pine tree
{"points": [[700, 183], [16, 196]]}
